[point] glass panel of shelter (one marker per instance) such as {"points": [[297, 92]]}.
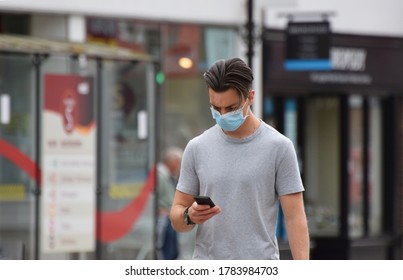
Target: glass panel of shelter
{"points": [[16, 146]]}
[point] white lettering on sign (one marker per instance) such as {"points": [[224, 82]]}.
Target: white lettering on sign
{"points": [[351, 59], [310, 29]]}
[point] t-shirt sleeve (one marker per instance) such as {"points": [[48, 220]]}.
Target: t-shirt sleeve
{"points": [[188, 179], [288, 177]]}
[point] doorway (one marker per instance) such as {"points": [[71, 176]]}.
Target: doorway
{"points": [[322, 168]]}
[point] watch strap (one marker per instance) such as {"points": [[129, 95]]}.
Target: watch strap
{"points": [[186, 217]]}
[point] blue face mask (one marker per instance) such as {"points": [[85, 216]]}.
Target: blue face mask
{"points": [[230, 121]]}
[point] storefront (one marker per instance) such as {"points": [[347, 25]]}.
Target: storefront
{"points": [[346, 125]]}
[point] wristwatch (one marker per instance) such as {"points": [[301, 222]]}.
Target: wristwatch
{"points": [[186, 217]]}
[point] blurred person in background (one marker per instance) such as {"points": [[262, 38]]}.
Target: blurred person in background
{"points": [[168, 173], [247, 168]]}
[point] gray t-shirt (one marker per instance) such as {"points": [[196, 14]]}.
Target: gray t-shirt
{"points": [[245, 177]]}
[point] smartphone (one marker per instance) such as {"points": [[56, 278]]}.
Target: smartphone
{"points": [[200, 199]]}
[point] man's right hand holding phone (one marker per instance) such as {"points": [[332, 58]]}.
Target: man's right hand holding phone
{"points": [[202, 209]]}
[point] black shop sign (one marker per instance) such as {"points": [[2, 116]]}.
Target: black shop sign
{"points": [[307, 46]]}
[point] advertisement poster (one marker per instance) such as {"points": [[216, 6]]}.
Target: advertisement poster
{"points": [[69, 165]]}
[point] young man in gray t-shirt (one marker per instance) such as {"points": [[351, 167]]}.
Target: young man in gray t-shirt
{"points": [[246, 167]]}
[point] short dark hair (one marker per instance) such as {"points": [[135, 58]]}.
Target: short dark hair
{"points": [[230, 73]]}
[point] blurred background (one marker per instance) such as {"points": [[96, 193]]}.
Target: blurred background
{"points": [[92, 92]]}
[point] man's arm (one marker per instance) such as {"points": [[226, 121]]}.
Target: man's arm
{"points": [[296, 225], [181, 201]]}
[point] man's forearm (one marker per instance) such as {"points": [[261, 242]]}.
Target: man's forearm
{"points": [[177, 219], [298, 238]]}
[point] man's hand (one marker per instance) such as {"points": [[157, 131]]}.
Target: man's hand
{"points": [[199, 213]]}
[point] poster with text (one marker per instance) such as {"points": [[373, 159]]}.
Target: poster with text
{"points": [[68, 165]]}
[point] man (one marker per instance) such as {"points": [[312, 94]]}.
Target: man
{"points": [[246, 167], [168, 173]]}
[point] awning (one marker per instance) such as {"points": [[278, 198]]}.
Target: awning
{"points": [[33, 45]]}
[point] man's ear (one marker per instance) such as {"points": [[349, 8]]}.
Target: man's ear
{"points": [[251, 96]]}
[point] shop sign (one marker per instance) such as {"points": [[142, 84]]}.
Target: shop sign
{"points": [[307, 46], [366, 62], [349, 65]]}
